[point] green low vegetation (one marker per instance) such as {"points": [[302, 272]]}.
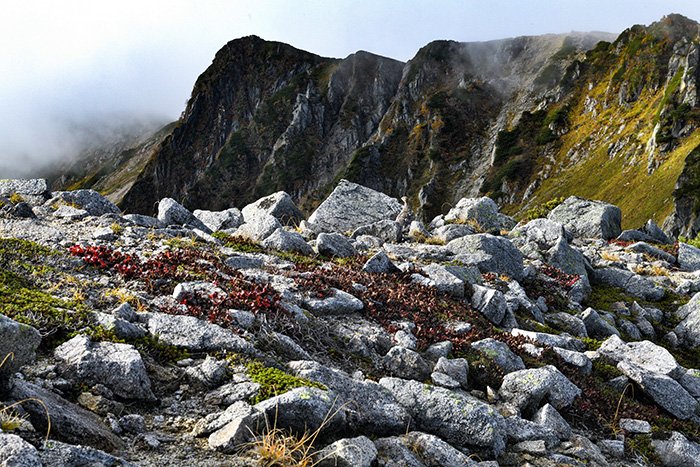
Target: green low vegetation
{"points": [[274, 382], [240, 244], [542, 210]]}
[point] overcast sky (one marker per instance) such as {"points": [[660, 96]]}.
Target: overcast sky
{"points": [[71, 64]]}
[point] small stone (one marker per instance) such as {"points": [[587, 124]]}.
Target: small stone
{"points": [[635, 426], [133, 423], [457, 369], [613, 447], [380, 263], [406, 364], [349, 452], [334, 245], [16, 452], [536, 447], [549, 417]]}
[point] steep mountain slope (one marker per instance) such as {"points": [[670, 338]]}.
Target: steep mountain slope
{"points": [[436, 141], [622, 134]]}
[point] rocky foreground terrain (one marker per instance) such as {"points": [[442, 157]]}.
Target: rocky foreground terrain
{"points": [[356, 337]]}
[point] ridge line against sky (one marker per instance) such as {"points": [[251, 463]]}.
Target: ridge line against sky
{"points": [[72, 64]]}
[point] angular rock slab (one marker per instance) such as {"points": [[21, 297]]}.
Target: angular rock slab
{"points": [[16, 452], [220, 220], [117, 366], [459, 419], [194, 334], [380, 263], [19, 340], [338, 302], [406, 363], [677, 451], [666, 391], [588, 219], [645, 354], [490, 302], [350, 206], [545, 233], [391, 452], [259, 227], [334, 245], [688, 330], [69, 422], [370, 408], [630, 282], [348, 452], [386, 230], [431, 450], [483, 212], [278, 205], [303, 410], [500, 354], [526, 389], [170, 212], [688, 257], [23, 186], [489, 254], [58, 453], [281, 240], [89, 200], [244, 420]]}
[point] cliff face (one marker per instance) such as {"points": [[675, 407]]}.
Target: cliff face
{"points": [[264, 117], [523, 120]]}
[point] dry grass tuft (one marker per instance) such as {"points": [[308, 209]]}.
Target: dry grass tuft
{"points": [[276, 447]]}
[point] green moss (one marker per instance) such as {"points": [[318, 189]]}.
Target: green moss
{"points": [[603, 297], [240, 244], [56, 318], [605, 370], [17, 247], [640, 445], [591, 344], [690, 241], [274, 382], [542, 210], [297, 258]]}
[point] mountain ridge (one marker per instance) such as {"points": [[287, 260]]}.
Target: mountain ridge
{"points": [[459, 119]]}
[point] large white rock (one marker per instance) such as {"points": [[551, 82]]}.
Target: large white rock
{"points": [[117, 366], [19, 340], [458, 418], [588, 219], [351, 206], [482, 212], [278, 205], [194, 334]]}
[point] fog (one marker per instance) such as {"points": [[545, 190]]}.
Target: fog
{"points": [[76, 72]]}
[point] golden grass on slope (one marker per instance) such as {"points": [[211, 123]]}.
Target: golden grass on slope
{"points": [[640, 196]]}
